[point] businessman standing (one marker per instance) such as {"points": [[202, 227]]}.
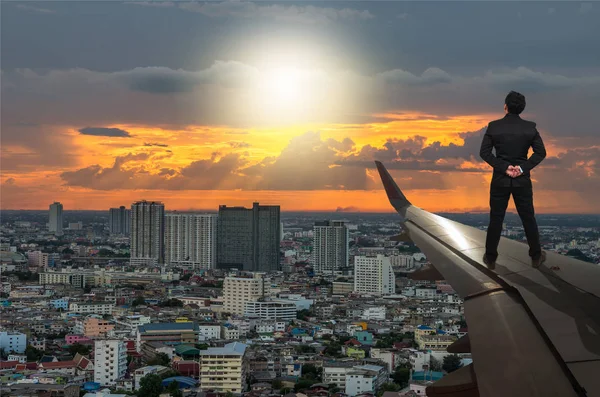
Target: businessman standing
{"points": [[512, 137]]}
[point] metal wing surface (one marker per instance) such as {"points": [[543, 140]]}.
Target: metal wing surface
{"points": [[532, 332]]}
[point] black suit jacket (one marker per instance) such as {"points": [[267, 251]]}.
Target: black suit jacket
{"points": [[512, 137]]}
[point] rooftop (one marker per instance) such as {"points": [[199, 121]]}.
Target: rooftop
{"points": [[235, 348]]}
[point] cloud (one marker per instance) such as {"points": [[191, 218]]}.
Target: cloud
{"points": [[35, 9], [347, 209], [239, 145], [430, 76], [284, 13], [155, 144], [585, 8], [103, 131]]}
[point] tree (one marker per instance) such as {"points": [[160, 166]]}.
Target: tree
{"points": [[138, 301], [451, 363], [33, 354], [401, 376], [303, 384], [150, 386], [160, 359], [388, 387], [173, 389], [435, 364], [310, 371], [79, 348], [277, 384]]}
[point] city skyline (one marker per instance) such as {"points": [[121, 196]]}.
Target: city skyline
{"points": [[290, 103]]}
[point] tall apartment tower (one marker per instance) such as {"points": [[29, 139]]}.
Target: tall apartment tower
{"points": [[55, 222], [119, 220], [191, 240], [330, 246], [147, 232], [239, 290], [249, 239], [374, 275], [110, 361]]}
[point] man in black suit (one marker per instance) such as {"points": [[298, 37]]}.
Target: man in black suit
{"points": [[512, 137]]}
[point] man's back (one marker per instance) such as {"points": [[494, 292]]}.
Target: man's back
{"points": [[512, 137]]}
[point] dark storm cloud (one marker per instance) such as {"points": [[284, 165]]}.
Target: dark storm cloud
{"points": [[103, 131], [155, 144]]}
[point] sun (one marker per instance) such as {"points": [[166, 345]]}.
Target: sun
{"points": [[283, 86]]}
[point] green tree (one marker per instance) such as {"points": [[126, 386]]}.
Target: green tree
{"points": [[303, 384], [150, 386], [138, 301], [160, 359], [277, 384], [33, 354], [401, 376], [79, 348], [435, 364], [388, 387], [451, 363], [173, 389], [310, 371]]}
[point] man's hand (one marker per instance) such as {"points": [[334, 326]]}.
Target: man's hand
{"points": [[513, 171]]}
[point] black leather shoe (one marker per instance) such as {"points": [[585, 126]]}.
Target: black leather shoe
{"points": [[537, 262]]}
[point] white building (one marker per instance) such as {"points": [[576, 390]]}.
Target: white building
{"points": [[191, 239], [13, 342], [271, 310], [91, 307], [330, 247], [147, 232], [55, 222], [209, 332], [374, 313], [374, 275], [365, 379], [426, 292], [388, 356], [335, 372], [239, 290], [38, 259], [110, 361], [404, 261]]}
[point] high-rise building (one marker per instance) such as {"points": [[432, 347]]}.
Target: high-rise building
{"points": [[119, 220], [110, 361], [374, 275], [191, 240], [239, 290], [330, 247], [147, 232], [224, 369], [55, 223], [249, 239]]}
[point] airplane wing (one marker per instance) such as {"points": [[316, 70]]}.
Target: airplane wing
{"points": [[532, 332]]}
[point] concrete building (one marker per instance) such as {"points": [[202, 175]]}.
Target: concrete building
{"points": [[147, 233], [330, 247], [191, 240], [271, 310], [239, 290], [335, 372], [38, 259], [365, 379], [55, 222], [93, 327], [110, 361], [119, 221], [13, 342], [209, 332], [223, 369], [249, 239], [91, 307], [374, 275], [342, 288], [168, 333]]}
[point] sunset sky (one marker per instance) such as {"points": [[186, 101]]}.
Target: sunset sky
{"points": [[208, 103]]}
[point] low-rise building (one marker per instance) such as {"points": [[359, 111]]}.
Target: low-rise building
{"points": [[223, 369]]}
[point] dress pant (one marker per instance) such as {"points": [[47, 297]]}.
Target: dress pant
{"points": [[523, 198]]}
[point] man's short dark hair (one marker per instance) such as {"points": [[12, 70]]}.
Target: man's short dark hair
{"points": [[515, 102]]}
